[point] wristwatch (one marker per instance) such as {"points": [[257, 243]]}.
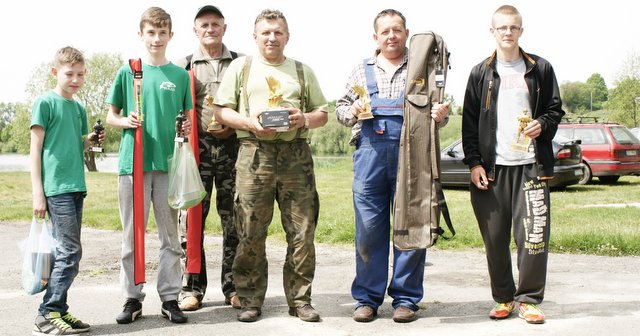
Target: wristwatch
{"points": [[306, 120]]}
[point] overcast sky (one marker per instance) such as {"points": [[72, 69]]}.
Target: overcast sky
{"points": [[578, 38]]}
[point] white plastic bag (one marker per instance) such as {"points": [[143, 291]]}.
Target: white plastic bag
{"points": [[185, 186], [38, 251]]}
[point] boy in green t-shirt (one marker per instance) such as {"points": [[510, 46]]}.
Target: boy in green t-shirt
{"points": [[58, 125], [165, 92]]}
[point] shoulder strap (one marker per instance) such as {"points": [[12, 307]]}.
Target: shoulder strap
{"points": [[244, 79], [303, 100], [188, 66], [370, 77]]}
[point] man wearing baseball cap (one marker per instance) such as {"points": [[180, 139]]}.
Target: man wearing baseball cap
{"points": [[218, 150]]}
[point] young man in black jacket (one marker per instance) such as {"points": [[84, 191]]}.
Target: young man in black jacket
{"points": [[511, 112]]}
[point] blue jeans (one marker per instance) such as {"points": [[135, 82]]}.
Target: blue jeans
{"points": [[374, 184], [65, 212]]}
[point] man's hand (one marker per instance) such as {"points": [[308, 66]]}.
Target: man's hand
{"points": [[297, 119], [479, 177], [533, 129], [439, 112]]}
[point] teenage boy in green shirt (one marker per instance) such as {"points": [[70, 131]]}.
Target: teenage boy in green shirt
{"points": [[165, 92]]}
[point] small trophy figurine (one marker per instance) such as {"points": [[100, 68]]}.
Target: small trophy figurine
{"points": [[180, 118], [97, 129], [522, 141], [214, 125], [366, 101]]}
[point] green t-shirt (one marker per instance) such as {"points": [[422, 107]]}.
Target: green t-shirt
{"points": [[229, 94], [166, 91], [62, 160]]}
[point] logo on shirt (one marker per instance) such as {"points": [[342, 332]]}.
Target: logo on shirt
{"points": [[167, 86]]}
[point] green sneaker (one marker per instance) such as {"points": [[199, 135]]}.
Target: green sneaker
{"points": [[51, 324], [75, 324]]}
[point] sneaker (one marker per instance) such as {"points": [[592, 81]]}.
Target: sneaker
{"points": [[131, 310], [502, 310], [305, 312], [75, 324], [51, 324], [531, 313], [190, 303], [171, 310]]}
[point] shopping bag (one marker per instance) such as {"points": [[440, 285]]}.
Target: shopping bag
{"points": [[185, 186], [38, 251]]}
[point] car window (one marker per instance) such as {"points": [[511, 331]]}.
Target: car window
{"points": [[565, 132], [591, 136], [622, 135]]}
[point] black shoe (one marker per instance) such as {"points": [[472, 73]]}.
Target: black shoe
{"points": [[171, 310], [131, 310]]}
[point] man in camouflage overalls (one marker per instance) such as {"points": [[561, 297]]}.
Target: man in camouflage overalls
{"points": [[273, 166], [218, 153]]}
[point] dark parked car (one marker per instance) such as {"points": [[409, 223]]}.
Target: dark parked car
{"points": [[609, 150], [568, 168]]}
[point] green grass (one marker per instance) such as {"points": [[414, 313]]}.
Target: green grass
{"points": [[575, 228]]}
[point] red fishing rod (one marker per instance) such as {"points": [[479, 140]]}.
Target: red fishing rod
{"points": [[138, 178]]}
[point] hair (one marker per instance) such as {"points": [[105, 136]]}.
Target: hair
{"points": [[507, 10], [156, 17], [271, 14], [68, 55], [388, 12]]}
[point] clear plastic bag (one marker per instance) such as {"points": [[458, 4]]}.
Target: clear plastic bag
{"points": [[185, 186], [38, 251]]}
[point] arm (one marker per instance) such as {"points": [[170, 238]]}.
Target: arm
{"points": [[470, 119], [35, 158], [551, 112]]}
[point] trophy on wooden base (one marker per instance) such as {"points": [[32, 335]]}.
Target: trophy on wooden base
{"points": [[366, 102], [522, 140]]}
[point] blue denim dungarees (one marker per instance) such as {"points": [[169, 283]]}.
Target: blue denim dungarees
{"points": [[374, 185]]}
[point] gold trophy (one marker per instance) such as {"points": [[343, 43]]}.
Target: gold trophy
{"points": [[275, 117], [274, 97], [366, 102], [214, 125], [522, 141]]}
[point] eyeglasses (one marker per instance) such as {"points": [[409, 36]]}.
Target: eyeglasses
{"points": [[503, 30]]}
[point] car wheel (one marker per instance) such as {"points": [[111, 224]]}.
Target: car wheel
{"points": [[609, 179], [586, 175]]}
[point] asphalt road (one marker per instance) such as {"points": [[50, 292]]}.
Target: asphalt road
{"points": [[586, 295]]}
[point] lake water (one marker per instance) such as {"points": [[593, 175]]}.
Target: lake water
{"points": [[19, 162]]}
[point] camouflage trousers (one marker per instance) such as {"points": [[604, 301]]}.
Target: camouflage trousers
{"points": [[280, 171], [217, 166]]}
